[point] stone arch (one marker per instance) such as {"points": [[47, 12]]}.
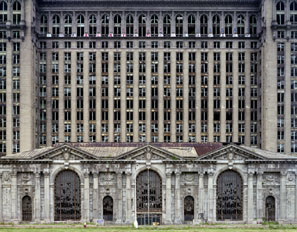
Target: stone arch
{"points": [[189, 208], [107, 203], [27, 208], [270, 208]]}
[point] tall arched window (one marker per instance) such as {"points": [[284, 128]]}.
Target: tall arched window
{"points": [[189, 208], [216, 25], [92, 25], [68, 25], [280, 13], [56, 25], [240, 25], [67, 196], [16, 12], [154, 25], [108, 208], [191, 25], [80, 25], [3, 12], [228, 25], [43, 24], [293, 12], [204, 25], [229, 186], [26, 209], [179, 19], [253, 25], [166, 25], [117, 25], [141, 25], [129, 25], [105, 25]]}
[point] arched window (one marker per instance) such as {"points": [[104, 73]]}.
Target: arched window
{"points": [[216, 25], [253, 25], [154, 25], [92, 25], [148, 197], [67, 196], [56, 25], [179, 19], [270, 208], [204, 25], [129, 25], [108, 208], [280, 13], [80, 25], [229, 186], [105, 25], [67, 25], [228, 25], [43, 24], [3, 12], [26, 209], [240, 25], [166, 25], [16, 12], [141, 25], [189, 208], [191, 25], [117, 25], [293, 12]]}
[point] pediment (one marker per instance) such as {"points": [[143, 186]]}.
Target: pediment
{"points": [[231, 153], [65, 152], [149, 153]]}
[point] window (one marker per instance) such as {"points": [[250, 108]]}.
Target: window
{"points": [[228, 25], [253, 25], [191, 25], [117, 25], [129, 25], [216, 25], [3, 12], [280, 13], [16, 13], [203, 25]]}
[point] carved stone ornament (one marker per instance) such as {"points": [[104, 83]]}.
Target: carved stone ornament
{"points": [[6, 177], [66, 155], [291, 177], [230, 156], [26, 177]]}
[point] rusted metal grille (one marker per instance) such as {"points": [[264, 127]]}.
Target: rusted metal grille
{"points": [[189, 208], [26, 208], [149, 197], [270, 208], [67, 196], [108, 208], [229, 196]]}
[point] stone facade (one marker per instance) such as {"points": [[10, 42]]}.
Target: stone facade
{"points": [[184, 171]]}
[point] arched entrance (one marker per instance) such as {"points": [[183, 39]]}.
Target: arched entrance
{"points": [[26, 209], [189, 208], [270, 208], [67, 196], [148, 197], [229, 196], [108, 208]]}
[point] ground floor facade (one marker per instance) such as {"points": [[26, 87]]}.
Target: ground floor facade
{"points": [[169, 185]]}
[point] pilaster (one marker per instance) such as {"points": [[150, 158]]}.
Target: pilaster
{"points": [[46, 195], [250, 193], [37, 197], [177, 198], [14, 196], [86, 196], [210, 196], [168, 197], [129, 218], [119, 213], [96, 195], [283, 196]]}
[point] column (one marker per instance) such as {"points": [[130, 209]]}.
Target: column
{"points": [[186, 97], [129, 218], [161, 96], [235, 97], [260, 200], [111, 23], [46, 196], [110, 96], [283, 196], [14, 195], [210, 96], [61, 95], [287, 116], [210, 197], [250, 193], [173, 97], [246, 24], [173, 24], [86, 196], [247, 139], [95, 196], [223, 97], [73, 95], [123, 96], [98, 92], [9, 120], [168, 197], [198, 96], [177, 199], [148, 90], [120, 199], [185, 24], [148, 23], [49, 126], [86, 97], [37, 197], [135, 95], [1, 198], [200, 212]]}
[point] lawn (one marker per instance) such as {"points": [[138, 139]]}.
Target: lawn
{"points": [[204, 228]]}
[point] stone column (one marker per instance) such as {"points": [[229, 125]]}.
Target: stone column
{"points": [[110, 96], [186, 97], [173, 97], [201, 196], [14, 196], [123, 96], [198, 95], [235, 98], [283, 196], [86, 196], [85, 97], [46, 196], [148, 89], [250, 194], [177, 199], [173, 24], [161, 96], [260, 199], [168, 197], [210, 96], [37, 197], [129, 218], [119, 199], [247, 139], [148, 23], [1, 198], [210, 197], [223, 97], [95, 196], [98, 92], [135, 96], [185, 25]]}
